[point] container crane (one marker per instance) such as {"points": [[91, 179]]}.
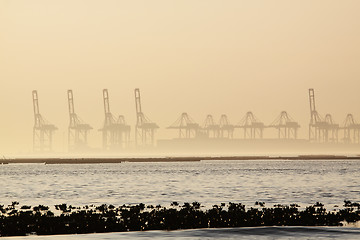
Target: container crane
{"points": [[210, 127], [226, 129], [317, 126], [332, 129], [287, 128], [252, 127], [42, 131], [77, 130], [186, 126], [116, 133], [144, 128], [351, 130]]}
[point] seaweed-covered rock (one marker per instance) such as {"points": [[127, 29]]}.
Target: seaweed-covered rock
{"points": [[108, 218]]}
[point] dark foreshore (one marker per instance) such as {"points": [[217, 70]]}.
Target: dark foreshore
{"points": [[76, 160], [40, 220]]}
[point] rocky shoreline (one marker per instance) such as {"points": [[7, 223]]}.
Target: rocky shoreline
{"points": [[16, 220]]}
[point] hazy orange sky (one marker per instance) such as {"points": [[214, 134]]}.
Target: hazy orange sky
{"points": [[199, 56]]}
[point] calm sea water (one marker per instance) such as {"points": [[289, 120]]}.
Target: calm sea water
{"points": [[208, 182], [261, 233]]}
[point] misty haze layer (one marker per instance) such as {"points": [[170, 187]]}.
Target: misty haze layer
{"points": [[202, 57]]}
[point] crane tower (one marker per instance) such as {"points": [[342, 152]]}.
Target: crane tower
{"points": [[319, 129], [144, 128], [78, 130], [226, 129], [116, 133], [286, 126], [332, 129], [351, 130], [252, 127], [42, 130], [186, 126], [210, 127]]}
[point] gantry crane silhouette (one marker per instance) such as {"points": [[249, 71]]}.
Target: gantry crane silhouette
{"points": [[187, 127], [226, 128], [116, 133], [351, 130], [144, 128], [77, 130], [252, 127], [210, 128], [287, 128], [42, 130], [320, 129]]}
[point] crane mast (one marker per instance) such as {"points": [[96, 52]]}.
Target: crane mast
{"points": [[35, 102], [71, 102], [137, 101], [109, 118], [317, 127], [312, 105], [72, 114]]}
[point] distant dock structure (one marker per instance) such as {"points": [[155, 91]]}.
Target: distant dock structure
{"points": [[322, 131]]}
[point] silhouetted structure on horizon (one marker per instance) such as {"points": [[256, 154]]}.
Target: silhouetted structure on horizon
{"points": [[320, 129], [186, 126], [42, 130], [251, 126], [144, 128], [287, 128], [78, 130], [351, 130], [332, 133], [210, 128], [226, 128], [116, 133]]}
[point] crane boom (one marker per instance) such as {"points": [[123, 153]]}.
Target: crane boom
{"points": [[312, 100], [137, 101], [35, 103], [106, 102], [71, 102]]}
